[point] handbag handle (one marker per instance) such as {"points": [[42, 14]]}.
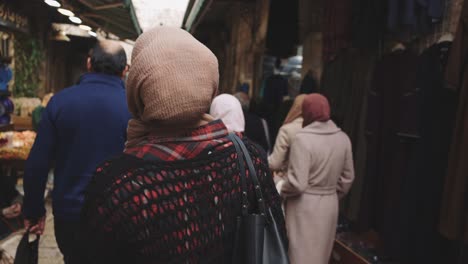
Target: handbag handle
{"points": [[243, 154]]}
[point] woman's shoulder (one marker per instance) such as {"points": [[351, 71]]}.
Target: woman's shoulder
{"points": [[109, 172], [296, 125], [112, 175], [291, 129]]}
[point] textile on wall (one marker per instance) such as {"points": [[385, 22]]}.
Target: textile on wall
{"points": [[410, 17], [454, 210], [392, 135], [337, 27], [345, 82], [423, 194]]}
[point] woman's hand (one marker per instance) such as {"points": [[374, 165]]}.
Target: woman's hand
{"points": [[12, 212], [279, 185], [35, 227]]}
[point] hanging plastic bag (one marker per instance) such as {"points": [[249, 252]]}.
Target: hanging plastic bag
{"points": [[27, 252]]}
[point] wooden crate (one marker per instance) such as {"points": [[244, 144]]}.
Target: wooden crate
{"points": [[22, 123], [342, 254]]}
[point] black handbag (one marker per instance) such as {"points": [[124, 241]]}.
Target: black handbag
{"points": [[257, 239], [27, 252]]}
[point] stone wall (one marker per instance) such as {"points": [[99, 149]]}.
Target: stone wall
{"points": [[241, 58]]}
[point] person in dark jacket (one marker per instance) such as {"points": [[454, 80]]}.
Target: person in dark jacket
{"points": [[309, 84], [174, 195], [256, 128], [80, 127]]}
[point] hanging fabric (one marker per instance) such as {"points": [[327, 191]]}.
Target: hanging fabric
{"points": [[337, 27], [392, 133], [409, 17], [345, 82], [454, 210], [423, 194], [369, 23]]}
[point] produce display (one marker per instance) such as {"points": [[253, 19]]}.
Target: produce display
{"points": [[16, 145], [24, 106]]}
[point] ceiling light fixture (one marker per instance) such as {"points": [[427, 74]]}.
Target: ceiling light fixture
{"points": [[52, 3], [75, 20], [92, 33], [65, 12], [61, 36], [85, 27]]}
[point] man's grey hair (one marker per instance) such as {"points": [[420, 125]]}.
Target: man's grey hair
{"points": [[244, 100]]}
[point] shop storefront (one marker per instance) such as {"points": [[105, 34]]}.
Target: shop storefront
{"points": [[384, 66], [385, 73]]}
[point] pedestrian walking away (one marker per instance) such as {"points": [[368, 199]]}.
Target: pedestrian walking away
{"points": [[174, 195], [320, 172], [80, 127]]}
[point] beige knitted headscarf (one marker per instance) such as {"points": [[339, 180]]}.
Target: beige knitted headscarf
{"points": [[171, 83]]}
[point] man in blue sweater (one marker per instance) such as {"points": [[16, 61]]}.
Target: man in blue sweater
{"points": [[81, 127]]}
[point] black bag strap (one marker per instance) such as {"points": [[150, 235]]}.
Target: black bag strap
{"points": [[253, 175], [243, 153], [245, 198], [27, 252]]}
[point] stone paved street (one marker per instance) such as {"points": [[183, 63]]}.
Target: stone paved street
{"points": [[48, 250]]}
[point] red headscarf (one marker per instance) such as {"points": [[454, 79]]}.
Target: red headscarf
{"points": [[315, 108]]}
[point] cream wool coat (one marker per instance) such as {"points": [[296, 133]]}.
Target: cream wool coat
{"points": [[320, 172], [279, 159]]}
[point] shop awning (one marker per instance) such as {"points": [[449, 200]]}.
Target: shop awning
{"points": [[115, 16], [198, 9], [152, 13]]}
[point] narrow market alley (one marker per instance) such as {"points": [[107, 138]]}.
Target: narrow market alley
{"points": [[234, 131]]}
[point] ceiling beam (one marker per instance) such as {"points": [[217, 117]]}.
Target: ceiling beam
{"points": [[109, 21], [200, 15], [101, 7]]}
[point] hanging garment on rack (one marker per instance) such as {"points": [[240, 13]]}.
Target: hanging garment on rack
{"points": [[276, 88], [337, 27], [336, 79], [414, 16], [392, 133], [401, 13], [433, 8], [423, 193], [345, 82], [369, 23], [454, 210]]}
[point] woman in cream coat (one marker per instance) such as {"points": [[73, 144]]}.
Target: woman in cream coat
{"points": [[320, 172], [279, 159]]}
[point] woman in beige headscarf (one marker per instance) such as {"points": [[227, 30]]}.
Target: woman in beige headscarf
{"points": [[279, 159], [174, 195]]}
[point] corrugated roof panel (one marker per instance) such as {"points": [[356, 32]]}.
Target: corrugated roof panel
{"points": [[114, 16]]}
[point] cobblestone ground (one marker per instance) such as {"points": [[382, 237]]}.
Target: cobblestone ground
{"points": [[48, 249]]}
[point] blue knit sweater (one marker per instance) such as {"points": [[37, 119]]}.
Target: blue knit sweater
{"points": [[82, 126]]}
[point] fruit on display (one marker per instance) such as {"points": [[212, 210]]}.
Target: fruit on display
{"points": [[16, 145], [25, 106]]}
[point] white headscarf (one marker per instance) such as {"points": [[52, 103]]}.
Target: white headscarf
{"points": [[227, 108]]}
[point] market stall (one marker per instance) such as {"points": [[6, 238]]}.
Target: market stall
{"points": [[15, 145], [388, 86]]}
